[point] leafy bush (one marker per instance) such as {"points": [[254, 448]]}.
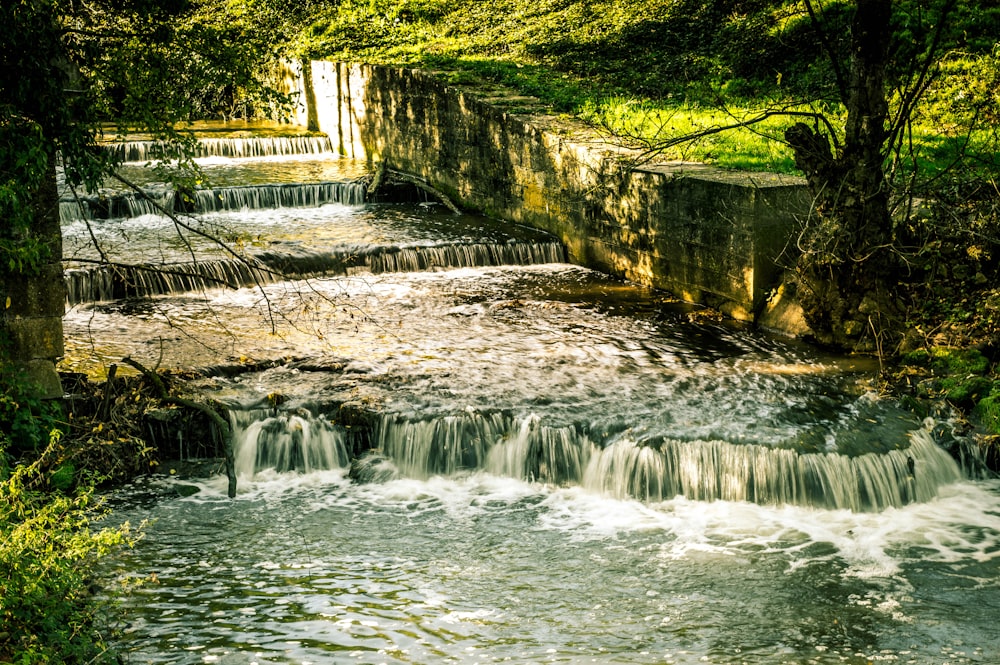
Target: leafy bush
{"points": [[46, 550], [47, 540]]}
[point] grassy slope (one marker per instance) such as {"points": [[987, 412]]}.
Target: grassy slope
{"points": [[645, 70]]}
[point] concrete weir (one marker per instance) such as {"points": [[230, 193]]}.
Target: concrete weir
{"points": [[709, 236]]}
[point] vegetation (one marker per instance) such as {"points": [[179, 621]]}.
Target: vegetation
{"points": [[49, 537], [907, 262], [66, 69]]}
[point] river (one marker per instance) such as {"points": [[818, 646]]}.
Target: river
{"points": [[566, 468]]}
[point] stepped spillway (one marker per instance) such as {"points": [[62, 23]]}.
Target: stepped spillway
{"points": [[239, 147], [453, 446]]}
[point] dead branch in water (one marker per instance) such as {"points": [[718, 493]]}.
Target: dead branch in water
{"points": [[224, 429]]}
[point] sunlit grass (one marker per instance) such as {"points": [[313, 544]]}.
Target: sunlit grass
{"points": [[612, 65], [645, 125]]}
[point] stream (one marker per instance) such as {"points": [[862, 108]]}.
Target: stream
{"points": [[553, 465]]}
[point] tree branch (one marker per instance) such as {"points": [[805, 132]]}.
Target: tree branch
{"points": [[224, 429], [824, 41]]}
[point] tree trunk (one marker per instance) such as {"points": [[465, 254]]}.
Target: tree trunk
{"points": [[846, 268], [33, 304]]}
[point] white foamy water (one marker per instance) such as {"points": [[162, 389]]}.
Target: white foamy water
{"points": [[568, 468], [475, 567]]}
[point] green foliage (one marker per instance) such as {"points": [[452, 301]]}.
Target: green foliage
{"points": [[673, 59], [25, 420], [944, 360], [988, 412], [23, 167], [48, 542], [749, 149], [959, 375], [47, 547]]}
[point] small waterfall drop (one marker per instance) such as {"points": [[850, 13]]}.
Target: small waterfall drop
{"points": [[240, 147], [477, 255], [292, 195], [119, 205], [655, 471], [294, 441], [718, 470], [105, 283], [495, 442]]}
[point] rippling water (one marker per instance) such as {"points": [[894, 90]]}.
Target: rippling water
{"points": [[461, 554], [476, 568]]}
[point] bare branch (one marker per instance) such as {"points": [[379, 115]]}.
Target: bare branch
{"points": [[926, 76], [229, 250], [654, 148], [827, 45]]}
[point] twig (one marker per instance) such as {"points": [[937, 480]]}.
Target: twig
{"points": [[223, 427]]}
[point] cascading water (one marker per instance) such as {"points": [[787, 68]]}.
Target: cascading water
{"points": [[285, 442], [464, 450], [651, 471], [238, 147]]}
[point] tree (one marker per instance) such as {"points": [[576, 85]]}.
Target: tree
{"points": [[66, 68], [848, 266], [843, 267], [861, 85]]}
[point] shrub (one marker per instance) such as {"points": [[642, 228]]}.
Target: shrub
{"points": [[48, 542]]}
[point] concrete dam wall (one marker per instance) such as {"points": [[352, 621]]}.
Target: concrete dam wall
{"points": [[708, 236]]}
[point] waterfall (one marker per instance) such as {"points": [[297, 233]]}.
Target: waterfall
{"points": [[717, 470], [475, 255], [651, 471], [71, 209], [539, 452], [501, 444], [115, 205], [443, 445], [250, 197], [381, 259], [663, 469], [295, 441], [288, 195], [104, 283], [244, 147]]}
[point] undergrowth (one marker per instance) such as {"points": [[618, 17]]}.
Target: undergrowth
{"points": [[50, 537]]}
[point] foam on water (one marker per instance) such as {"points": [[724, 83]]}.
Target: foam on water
{"points": [[961, 524], [473, 560]]}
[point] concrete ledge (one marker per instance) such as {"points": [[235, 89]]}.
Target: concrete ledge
{"points": [[706, 235]]}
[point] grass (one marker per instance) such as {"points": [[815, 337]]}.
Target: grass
{"points": [[648, 70]]}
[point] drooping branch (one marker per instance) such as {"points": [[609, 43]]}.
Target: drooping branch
{"points": [[225, 431], [653, 148], [226, 248]]}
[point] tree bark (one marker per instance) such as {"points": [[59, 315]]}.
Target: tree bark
{"points": [[32, 302], [846, 266]]}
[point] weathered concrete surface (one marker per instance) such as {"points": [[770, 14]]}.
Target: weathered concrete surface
{"points": [[708, 236]]}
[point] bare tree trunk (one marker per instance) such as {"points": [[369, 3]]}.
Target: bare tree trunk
{"points": [[32, 303], [846, 267]]}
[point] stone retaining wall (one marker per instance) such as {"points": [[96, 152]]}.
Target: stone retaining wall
{"points": [[708, 236]]}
